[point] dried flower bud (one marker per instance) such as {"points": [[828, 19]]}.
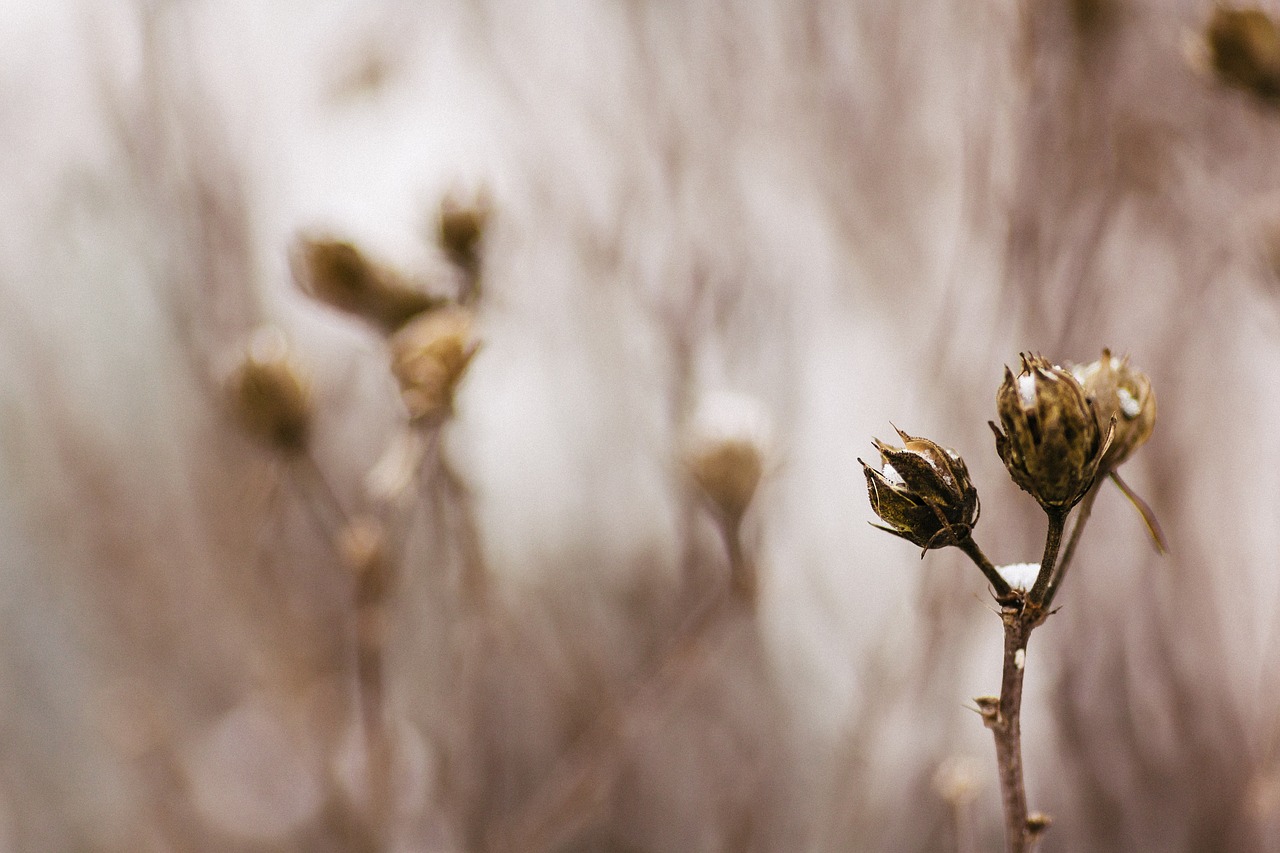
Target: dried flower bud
{"points": [[1244, 50], [428, 357], [1119, 391], [461, 228], [269, 396], [922, 492], [337, 273], [1052, 443]]}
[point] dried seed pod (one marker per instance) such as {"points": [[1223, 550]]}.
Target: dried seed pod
{"points": [[428, 357], [1244, 50], [1052, 443], [269, 396], [1121, 392], [338, 274], [922, 492]]}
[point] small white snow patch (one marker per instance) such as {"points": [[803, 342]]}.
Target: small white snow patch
{"points": [[1027, 389], [1128, 403], [1020, 575]]}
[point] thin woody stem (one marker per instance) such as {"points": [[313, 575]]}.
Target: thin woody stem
{"points": [[1082, 517], [1052, 540], [970, 547], [1004, 718]]}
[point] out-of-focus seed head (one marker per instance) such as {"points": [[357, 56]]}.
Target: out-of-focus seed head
{"points": [[269, 396], [1052, 443], [725, 450], [1244, 50], [338, 274], [728, 473], [461, 229], [428, 357], [1124, 393], [922, 492]]}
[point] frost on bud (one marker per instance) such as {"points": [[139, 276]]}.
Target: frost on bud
{"points": [[922, 492], [1121, 392], [1052, 443], [269, 396], [1244, 50], [428, 358], [338, 274]]}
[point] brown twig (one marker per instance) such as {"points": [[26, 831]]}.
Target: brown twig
{"points": [[1021, 613]]}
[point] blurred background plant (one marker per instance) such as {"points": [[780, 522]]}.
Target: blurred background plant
{"points": [[290, 564]]}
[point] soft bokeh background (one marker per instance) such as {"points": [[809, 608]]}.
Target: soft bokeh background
{"points": [[852, 213]]}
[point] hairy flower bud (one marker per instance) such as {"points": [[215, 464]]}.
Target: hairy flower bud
{"points": [[1119, 391], [1052, 443], [922, 492]]}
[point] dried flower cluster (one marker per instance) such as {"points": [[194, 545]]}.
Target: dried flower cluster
{"points": [[1061, 432]]}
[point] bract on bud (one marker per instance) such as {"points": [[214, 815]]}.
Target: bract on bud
{"points": [[1244, 50], [1119, 391], [337, 273], [428, 357], [269, 396], [922, 492], [1052, 443]]}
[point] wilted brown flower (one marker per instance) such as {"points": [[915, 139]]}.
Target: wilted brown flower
{"points": [[337, 273], [1119, 391], [922, 492], [269, 396], [428, 357], [1052, 443], [1244, 50]]}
